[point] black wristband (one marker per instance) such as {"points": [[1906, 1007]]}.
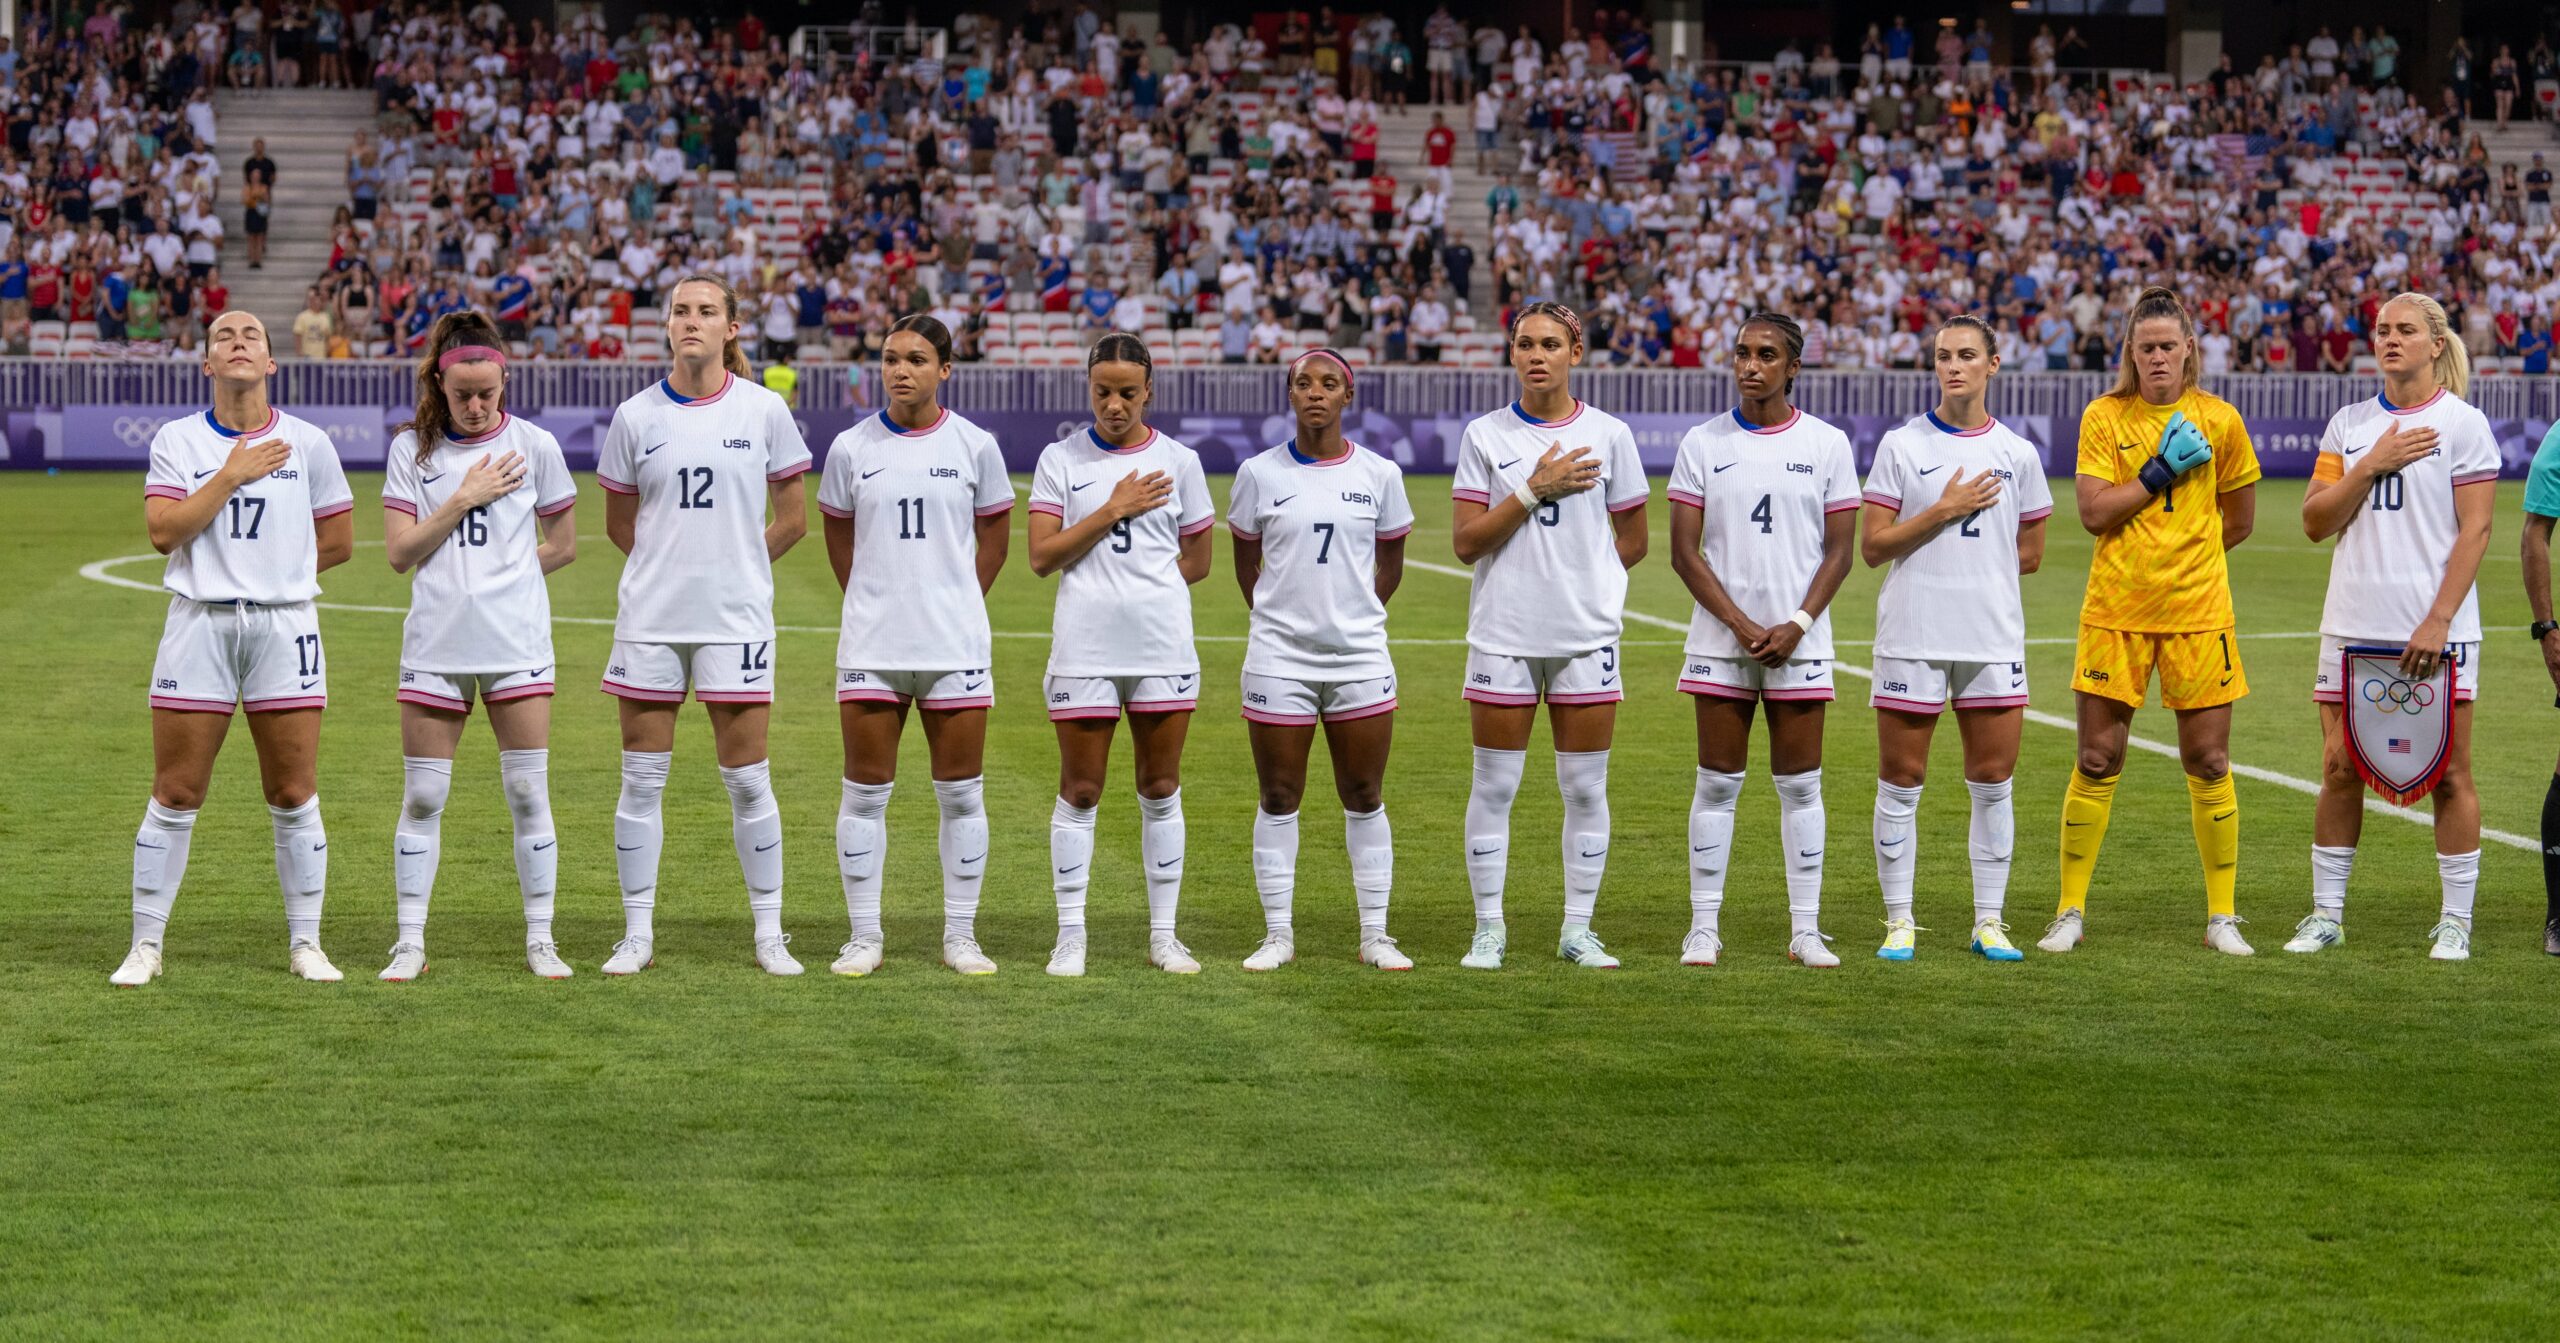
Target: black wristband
{"points": [[2542, 629], [2158, 475]]}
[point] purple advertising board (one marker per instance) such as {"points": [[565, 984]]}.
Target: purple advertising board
{"points": [[119, 437]]}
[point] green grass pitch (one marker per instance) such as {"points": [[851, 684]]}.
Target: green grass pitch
{"points": [[2138, 1140]]}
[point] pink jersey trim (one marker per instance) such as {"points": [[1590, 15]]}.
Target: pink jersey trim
{"points": [[834, 512], [333, 510], [1280, 719], [1508, 701], [1637, 502], [790, 472], [869, 695], [163, 492], [1839, 506], [180, 705], [1587, 697], [1108, 711], [620, 691], [526, 691], [1992, 702], [668, 385], [1717, 690], [1044, 506], [941, 414], [1095, 432], [1685, 497], [555, 509], [1781, 427], [1202, 525], [1881, 500], [1908, 705], [2412, 410], [1818, 693], [399, 505], [2328, 697], [1242, 534], [1387, 705], [2036, 514], [1398, 532], [733, 696], [287, 702], [956, 703], [1163, 705], [2476, 478], [1523, 412], [996, 510], [613, 486], [503, 420], [1471, 496], [432, 700]]}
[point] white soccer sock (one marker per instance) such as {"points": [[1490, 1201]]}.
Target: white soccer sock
{"points": [[1583, 778], [1992, 842], [1802, 825], [1275, 867], [2460, 873], [1497, 782], [1160, 844], [755, 830], [862, 846], [526, 777], [1897, 866], [1071, 860], [1373, 867], [2330, 868], [302, 866], [418, 841], [1711, 809], [159, 864], [638, 831], [963, 839]]}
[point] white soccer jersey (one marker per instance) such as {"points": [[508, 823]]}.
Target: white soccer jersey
{"points": [[1555, 588], [2391, 557], [1955, 599], [1123, 609], [478, 603], [1765, 494], [915, 497], [698, 572], [260, 547], [1316, 613]]}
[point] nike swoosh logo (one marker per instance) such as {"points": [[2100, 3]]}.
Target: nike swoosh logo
{"points": [[1930, 469], [869, 474], [206, 472], [308, 684], [646, 451], [320, 846], [751, 680], [2127, 447], [2226, 816], [411, 853], [1168, 862], [1724, 468], [629, 848], [1508, 465], [1482, 852], [1078, 489], [140, 845], [2225, 680], [1808, 853], [1704, 848], [857, 853], [1277, 502], [2353, 451], [1888, 848], [1608, 680], [972, 686], [982, 857], [1813, 676], [1602, 854], [1065, 870], [768, 848], [544, 845], [2073, 825], [430, 480]]}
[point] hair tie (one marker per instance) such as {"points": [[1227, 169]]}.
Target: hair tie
{"points": [[1339, 362], [470, 354]]}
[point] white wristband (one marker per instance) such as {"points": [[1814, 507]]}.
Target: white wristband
{"points": [[1803, 622], [1528, 497]]}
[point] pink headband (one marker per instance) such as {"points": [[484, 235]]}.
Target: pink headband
{"points": [[469, 354], [1338, 361]]}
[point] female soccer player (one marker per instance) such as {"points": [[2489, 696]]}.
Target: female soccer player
{"points": [[1544, 618], [2407, 483], [1956, 503], [689, 469], [916, 502], [1320, 525], [1764, 504], [249, 504], [2166, 483], [1121, 514], [457, 512]]}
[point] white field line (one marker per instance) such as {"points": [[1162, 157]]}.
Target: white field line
{"points": [[2169, 749]]}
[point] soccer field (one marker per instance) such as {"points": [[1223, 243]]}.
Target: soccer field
{"points": [[2141, 1139]]}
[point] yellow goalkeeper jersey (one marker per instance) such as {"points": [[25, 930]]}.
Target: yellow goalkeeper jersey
{"points": [[2163, 572]]}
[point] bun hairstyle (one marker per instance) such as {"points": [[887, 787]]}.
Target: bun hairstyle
{"points": [[2452, 362], [1788, 329], [2155, 303], [1990, 342], [1547, 308], [1119, 348], [733, 356], [464, 337], [935, 334]]}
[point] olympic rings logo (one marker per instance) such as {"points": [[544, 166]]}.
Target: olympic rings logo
{"points": [[2399, 694], [136, 430]]}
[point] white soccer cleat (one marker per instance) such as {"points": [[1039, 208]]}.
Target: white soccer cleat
{"points": [[1485, 952], [1166, 953], [1381, 952], [543, 958], [2062, 934], [1066, 960], [2317, 932], [2452, 942], [1701, 947], [1277, 949], [141, 966], [1811, 949], [630, 957], [2222, 933], [408, 961], [858, 957], [774, 955], [306, 961], [1584, 949], [963, 954]]}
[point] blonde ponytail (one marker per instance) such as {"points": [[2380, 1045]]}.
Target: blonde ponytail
{"points": [[2452, 361]]}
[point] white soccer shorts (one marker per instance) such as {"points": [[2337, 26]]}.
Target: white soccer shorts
{"points": [[1590, 678], [1914, 686], [454, 691], [214, 655], [716, 673], [1286, 701], [1807, 679], [940, 691], [1110, 696], [2325, 688]]}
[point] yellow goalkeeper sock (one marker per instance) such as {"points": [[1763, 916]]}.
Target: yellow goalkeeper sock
{"points": [[2214, 806], [2086, 804]]}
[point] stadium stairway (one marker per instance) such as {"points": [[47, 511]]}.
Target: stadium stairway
{"points": [[1400, 149], [307, 132], [2518, 142]]}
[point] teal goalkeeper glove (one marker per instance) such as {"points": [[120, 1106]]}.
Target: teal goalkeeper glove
{"points": [[2182, 449]]}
